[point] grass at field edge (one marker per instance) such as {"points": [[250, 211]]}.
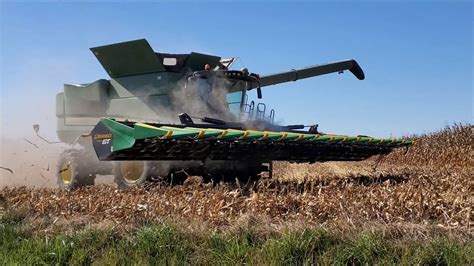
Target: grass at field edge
{"points": [[164, 243]]}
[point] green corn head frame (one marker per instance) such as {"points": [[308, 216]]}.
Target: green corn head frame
{"points": [[114, 140]]}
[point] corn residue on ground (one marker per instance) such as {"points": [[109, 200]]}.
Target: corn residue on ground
{"points": [[363, 209]]}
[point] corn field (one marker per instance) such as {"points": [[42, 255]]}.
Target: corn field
{"points": [[430, 184]]}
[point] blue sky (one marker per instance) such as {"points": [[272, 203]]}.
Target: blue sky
{"points": [[417, 57]]}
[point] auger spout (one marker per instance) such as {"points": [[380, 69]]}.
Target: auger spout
{"points": [[308, 72]]}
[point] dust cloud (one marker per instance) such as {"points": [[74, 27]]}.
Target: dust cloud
{"points": [[28, 98], [200, 97], [28, 162]]}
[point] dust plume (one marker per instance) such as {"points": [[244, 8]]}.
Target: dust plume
{"points": [[202, 97], [31, 162], [27, 98]]}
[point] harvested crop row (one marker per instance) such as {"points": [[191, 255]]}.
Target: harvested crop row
{"points": [[388, 196]]}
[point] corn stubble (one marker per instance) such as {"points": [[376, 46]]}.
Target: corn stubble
{"points": [[430, 184]]}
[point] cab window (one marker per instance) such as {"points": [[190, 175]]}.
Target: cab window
{"points": [[234, 100]]}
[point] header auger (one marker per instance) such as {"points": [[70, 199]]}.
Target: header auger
{"points": [[165, 116]]}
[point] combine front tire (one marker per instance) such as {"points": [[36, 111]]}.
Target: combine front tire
{"points": [[128, 174], [73, 171]]}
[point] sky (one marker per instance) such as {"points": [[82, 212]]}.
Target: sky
{"points": [[417, 57]]}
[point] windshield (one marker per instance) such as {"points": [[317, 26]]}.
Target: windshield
{"points": [[234, 100]]}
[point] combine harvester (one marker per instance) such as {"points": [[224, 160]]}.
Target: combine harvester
{"points": [[166, 116]]}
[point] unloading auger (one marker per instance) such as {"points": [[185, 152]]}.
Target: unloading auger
{"points": [[166, 116]]}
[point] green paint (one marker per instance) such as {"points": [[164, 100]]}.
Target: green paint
{"points": [[122, 135], [144, 131]]}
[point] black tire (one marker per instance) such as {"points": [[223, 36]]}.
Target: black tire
{"points": [[74, 171], [137, 176]]}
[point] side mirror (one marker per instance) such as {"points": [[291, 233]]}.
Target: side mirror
{"points": [[36, 128]]}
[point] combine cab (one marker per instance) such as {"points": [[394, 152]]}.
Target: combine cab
{"points": [[166, 116]]}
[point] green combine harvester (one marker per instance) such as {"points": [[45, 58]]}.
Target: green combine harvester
{"points": [[166, 116]]}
